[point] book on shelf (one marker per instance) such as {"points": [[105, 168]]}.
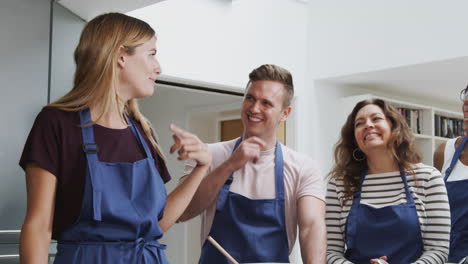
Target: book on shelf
{"points": [[447, 127], [413, 117]]}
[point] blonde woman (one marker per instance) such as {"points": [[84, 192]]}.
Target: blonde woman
{"points": [[383, 205], [94, 173]]}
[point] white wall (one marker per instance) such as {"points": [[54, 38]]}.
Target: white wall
{"points": [[349, 37], [222, 41], [359, 36], [204, 125]]}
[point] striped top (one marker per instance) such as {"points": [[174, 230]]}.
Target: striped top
{"points": [[383, 189]]}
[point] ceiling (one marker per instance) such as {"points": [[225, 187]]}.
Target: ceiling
{"points": [[88, 9], [439, 80]]}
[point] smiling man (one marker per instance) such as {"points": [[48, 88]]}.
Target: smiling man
{"points": [[258, 191]]}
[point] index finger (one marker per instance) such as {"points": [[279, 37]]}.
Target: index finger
{"points": [[179, 131], [176, 144]]}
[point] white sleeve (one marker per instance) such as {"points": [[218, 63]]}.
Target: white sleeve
{"points": [[310, 181]]}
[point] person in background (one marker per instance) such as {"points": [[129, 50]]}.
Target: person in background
{"points": [[383, 205], [94, 172], [451, 158], [258, 191]]}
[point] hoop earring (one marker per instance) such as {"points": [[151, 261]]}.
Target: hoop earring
{"points": [[359, 153]]}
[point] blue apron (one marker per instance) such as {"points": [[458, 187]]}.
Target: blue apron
{"points": [[122, 203], [457, 192], [391, 231], [251, 230]]}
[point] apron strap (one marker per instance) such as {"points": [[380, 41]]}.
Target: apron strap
{"points": [[140, 138], [351, 221], [224, 192], [89, 144], [279, 171], [409, 197], [455, 158], [91, 149], [230, 179]]}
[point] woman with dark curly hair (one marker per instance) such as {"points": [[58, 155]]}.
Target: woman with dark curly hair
{"points": [[383, 205]]}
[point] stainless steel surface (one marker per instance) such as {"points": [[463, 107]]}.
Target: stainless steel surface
{"points": [[9, 237], [9, 247], [24, 49]]}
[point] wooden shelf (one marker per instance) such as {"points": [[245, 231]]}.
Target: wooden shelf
{"points": [[422, 136]]}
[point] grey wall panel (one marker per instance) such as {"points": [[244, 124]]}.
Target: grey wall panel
{"points": [[66, 30], [24, 53]]}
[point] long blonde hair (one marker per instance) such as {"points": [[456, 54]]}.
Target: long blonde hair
{"points": [[96, 68]]}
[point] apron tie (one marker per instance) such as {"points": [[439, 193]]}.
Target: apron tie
{"points": [[152, 246]]}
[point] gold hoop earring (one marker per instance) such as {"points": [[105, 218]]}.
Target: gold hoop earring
{"points": [[359, 153]]}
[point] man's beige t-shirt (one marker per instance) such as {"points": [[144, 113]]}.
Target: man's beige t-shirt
{"points": [[256, 181]]}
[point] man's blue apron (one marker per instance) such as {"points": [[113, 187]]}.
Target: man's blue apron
{"points": [[457, 192], [391, 231], [251, 230], [121, 206]]}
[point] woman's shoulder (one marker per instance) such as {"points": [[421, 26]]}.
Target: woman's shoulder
{"points": [[424, 171], [55, 115], [423, 168]]}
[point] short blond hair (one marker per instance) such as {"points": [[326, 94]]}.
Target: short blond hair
{"points": [[271, 72]]}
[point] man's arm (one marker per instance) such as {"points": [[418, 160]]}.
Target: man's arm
{"points": [[312, 230], [207, 191], [209, 188], [439, 157]]}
